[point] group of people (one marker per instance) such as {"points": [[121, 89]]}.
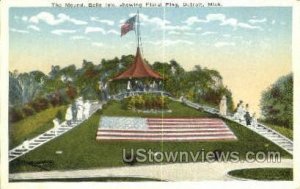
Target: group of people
{"points": [[241, 114], [78, 111], [140, 86]]}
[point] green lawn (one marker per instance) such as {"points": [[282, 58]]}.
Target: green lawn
{"points": [[282, 130], [178, 110], [32, 126], [82, 151], [264, 173]]}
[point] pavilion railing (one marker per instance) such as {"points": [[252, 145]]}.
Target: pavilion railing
{"points": [[126, 94]]}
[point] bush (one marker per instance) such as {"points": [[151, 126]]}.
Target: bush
{"points": [[71, 92], [56, 99], [145, 102], [277, 102], [15, 114], [59, 115], [27, 110], [39, 104]]}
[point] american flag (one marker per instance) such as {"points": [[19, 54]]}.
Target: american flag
{"points": [[163, 129], [128, 25]]}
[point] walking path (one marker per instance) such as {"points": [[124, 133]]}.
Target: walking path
{"points": [[168, 172], [266, 132], [49, 135]]}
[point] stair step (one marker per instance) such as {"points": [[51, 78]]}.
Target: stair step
{"points": [[48, 135], [46, 138], [63, 129], [20, 150], [38, 140], [286, 146], [16, 153]]}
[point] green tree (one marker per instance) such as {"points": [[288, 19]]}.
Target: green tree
{"points": [[277, 102]]}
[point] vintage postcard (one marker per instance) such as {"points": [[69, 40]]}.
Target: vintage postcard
{"points": [[151, 92]]}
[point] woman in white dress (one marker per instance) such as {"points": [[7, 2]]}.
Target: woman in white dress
{"points": [[254, 120], [79, 105], [87, 107], [223, 106], [69, 115]]}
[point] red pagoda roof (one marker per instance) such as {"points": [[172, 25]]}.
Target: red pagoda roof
{"points": [[138, 69]]}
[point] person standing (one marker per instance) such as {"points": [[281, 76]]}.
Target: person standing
{"points": [[247, 115], [223, 106], [254, 120], [129, 87], [236, 115], [69, 115], [56, 126], [74, 112], [79, 105], [87, 107]]}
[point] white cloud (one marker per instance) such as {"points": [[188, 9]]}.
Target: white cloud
{"points": [[208, 33], [273, 22], [61, 32], [192, 20], [94, 29], [223, 44], [52, 20], [100, 30], [97, 44], [247, 26], [233, 22], [254, 21], [18, 31], [226, 35], [175, 28], [24, 18], [199, 29], [174, 33], [168, 42], [108, 22], [189, 33], [79, 37], [145, 19], [33, 27], [113, 32]]}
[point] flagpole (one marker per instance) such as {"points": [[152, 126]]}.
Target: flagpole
{"points": [[138, 28]]}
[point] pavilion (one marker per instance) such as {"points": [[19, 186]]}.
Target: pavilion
{"points": [[138, 76], [138, 70]]}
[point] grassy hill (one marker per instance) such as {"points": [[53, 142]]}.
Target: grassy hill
{"points": [[32, 126], [82, 151]]}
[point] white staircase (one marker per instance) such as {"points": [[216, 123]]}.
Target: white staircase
{"points": [[266, 132], [49, 135]]}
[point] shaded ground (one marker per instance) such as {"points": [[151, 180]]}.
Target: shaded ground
{"points": [[92, 179], [216, 171], [264, 173]]}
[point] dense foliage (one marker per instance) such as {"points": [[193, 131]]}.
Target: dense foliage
{"points": [[146, 102], [277, 102], [34, 91]]}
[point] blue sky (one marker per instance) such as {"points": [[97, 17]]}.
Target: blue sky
{"points": [[249, 43], [187, 28]]}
